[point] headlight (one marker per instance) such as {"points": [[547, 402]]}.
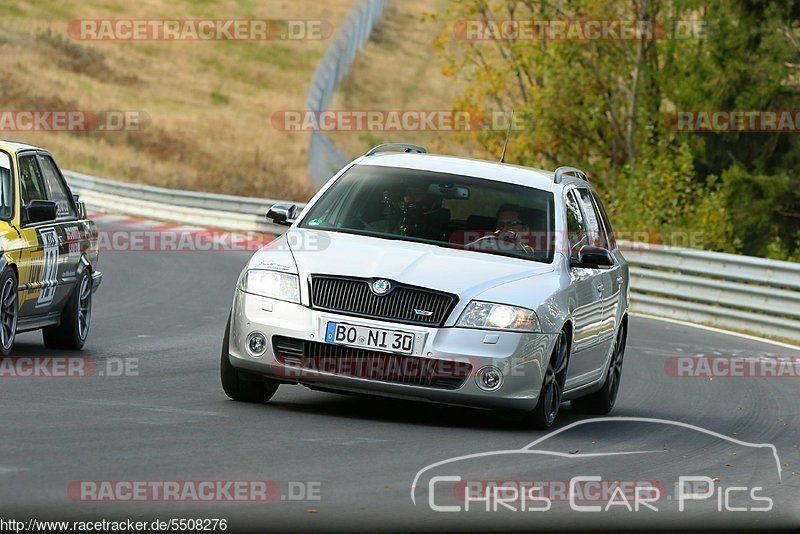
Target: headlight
{"points": [[493, 316], [272, 284]]}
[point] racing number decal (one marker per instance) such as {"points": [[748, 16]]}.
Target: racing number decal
{"points": [[50, 266]]}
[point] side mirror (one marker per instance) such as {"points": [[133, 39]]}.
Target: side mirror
{"points": [[282, 214], [592, 258], [38, 211]]}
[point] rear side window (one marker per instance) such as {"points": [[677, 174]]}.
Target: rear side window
{"points": [[596, 234], [612, 242], [6, 187], [576, 233], [56, 189], [30, 179]]}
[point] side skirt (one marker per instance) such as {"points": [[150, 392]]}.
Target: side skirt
{"points": [[35, 322]]}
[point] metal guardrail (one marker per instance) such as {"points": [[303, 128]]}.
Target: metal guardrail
{"points": [[324, 159], [742, 293], [208, 210]]}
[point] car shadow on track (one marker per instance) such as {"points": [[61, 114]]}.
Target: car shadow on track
{"points": [[382, 409], [31, 345]]}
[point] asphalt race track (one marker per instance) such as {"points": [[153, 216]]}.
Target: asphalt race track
{"points": [[169, 420]]}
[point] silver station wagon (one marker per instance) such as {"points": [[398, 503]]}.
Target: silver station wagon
{"points": [[440, 279]]}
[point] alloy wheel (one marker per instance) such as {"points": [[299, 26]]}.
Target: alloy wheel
{"points": [[8, 313], [554, 378]]}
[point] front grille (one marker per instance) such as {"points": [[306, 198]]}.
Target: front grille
{"points": [[402, 304], [369, 364]]}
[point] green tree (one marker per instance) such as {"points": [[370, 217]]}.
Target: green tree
{"points": [[602, 105], [751, 61]]}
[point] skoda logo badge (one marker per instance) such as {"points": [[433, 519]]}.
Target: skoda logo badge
{"points": [[381, 287]]}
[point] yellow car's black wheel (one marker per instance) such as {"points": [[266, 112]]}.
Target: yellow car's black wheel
{"points": [[76, 317], [8, 310]]}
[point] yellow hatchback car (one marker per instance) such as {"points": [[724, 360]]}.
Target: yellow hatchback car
{"points": [[48, 267]]}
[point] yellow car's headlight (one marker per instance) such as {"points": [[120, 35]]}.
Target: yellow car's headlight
{"points": [[492, 316]]}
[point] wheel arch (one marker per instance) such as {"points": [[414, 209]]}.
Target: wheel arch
{"points": [[4, 262], [568, 326], [83, 265]]}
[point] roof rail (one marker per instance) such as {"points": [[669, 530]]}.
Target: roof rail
{"points": [[396, 146], [561, 171]]}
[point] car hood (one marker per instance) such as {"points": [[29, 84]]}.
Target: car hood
{"points": [[465, 273]]}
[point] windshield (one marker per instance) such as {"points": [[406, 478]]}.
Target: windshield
{"points": [[441, 209], [6, 189]]}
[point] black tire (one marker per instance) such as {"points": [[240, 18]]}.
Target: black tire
{"points": [[544, 414], [76, 317], [9, 310], [602, 402], [242, 386]]}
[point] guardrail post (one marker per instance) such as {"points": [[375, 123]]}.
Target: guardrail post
{"points": [[323, 156]]}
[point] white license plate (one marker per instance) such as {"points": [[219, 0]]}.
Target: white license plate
{"points": [[369, 338]]}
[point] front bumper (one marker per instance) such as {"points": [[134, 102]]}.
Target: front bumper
{"points": [[520, 356]]}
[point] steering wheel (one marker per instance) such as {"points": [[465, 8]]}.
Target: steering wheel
{"points": [[500, 241]]}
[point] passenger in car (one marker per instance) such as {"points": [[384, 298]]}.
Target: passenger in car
{"points": [[513, 223]]}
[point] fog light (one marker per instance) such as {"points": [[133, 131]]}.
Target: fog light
{"points": [[256, 344], [489, 378]]}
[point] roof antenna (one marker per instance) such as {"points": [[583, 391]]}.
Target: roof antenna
{"points": [[508, 131]]}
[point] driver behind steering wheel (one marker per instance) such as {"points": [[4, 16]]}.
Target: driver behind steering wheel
{"points": [[422, 214]]}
